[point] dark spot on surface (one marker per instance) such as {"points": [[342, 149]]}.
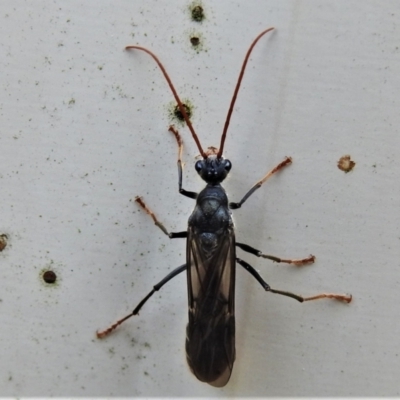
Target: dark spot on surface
{"points": [[195, 41], [49, 277]]}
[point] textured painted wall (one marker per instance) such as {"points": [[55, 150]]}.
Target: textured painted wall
{"points": [[83, 130]]}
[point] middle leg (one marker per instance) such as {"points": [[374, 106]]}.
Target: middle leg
{"points": [[298, 262]]}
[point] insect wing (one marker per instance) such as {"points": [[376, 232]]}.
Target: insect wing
{"points": [[210, 338]]}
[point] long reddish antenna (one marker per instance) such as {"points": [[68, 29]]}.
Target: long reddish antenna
{"points": [[178, 100], [235, 93]]}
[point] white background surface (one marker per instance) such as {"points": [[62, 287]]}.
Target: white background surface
{"points": [[83, 129]]}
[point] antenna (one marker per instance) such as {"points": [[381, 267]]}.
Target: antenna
{"points": [[178, 100], [235, 93]]}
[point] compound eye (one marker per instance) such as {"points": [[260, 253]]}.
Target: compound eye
{"points": [[198, 166], [228, 165]]}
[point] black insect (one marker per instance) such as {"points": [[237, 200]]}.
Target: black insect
{"points": [[211, 255]]}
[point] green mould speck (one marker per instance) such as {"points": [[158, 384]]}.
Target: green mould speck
{"points": [[176, 114], [196, 11]]}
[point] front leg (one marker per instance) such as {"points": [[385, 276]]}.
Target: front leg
{"points": [[286, 161], [171, 235], [309, 260], [192, 195]]}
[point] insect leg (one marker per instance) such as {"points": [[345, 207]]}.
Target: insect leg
{"points": [[192, 195], [309, 260], [157, 287], [342, 297], [258, 184], [171, 235]]}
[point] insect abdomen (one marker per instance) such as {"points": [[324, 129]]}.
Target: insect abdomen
{"points": [[210, 349]]}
